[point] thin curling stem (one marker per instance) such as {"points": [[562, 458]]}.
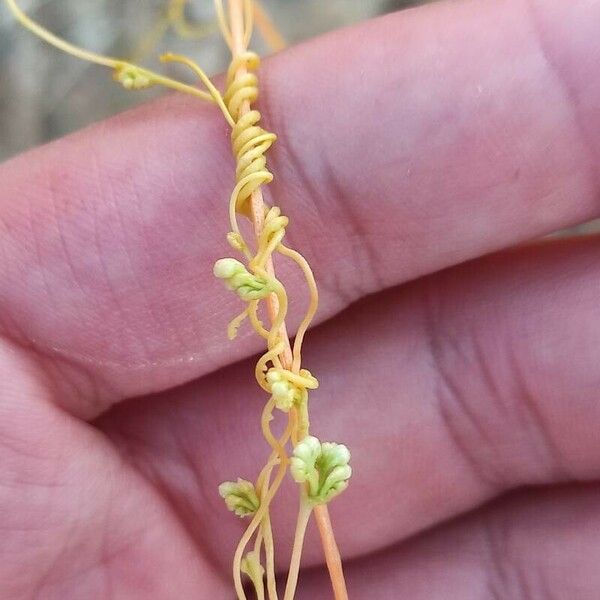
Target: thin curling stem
{"points": [[237, 45], [302, 523], [276, 445], [312, 308], [263, 21], [258, 542], [270, 554], [118, 66], [245, 24], [260, 590], [57, 42], [256, 323], [332, 553], [212, 90], [259, 587], [257, 205], [171, 17], [267, 493], [278, 371], [259, 516]]}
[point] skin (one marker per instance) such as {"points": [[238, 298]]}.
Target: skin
{"points": [[466, 383]]}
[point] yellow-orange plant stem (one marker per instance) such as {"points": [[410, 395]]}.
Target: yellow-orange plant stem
{"points": [[332, 553], [257, 205], [330, 548]]}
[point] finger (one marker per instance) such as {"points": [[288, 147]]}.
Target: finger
{"points": [[448, 392], [535, 545], [426, 138], [76, 520]]}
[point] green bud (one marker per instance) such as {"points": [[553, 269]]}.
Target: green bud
{"points": [[240, 497], [133, 78], [284, 392], [251, 566], [289, 389], [238, 279], [226, 268], [323, 467]]}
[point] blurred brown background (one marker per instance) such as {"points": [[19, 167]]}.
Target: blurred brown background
{"points": [[45, 94]]}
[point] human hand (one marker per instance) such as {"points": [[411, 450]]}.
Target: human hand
{"points": [[406, 146]]}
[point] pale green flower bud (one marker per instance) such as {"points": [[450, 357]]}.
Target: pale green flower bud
{"points": [[288, 388], [323, 467], [333, 462], [237, 278], [240, 497], [133, 78], [226, 268], [284, 393], [251, 566]]}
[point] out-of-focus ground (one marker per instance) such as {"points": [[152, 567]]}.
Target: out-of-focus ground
{"points": [[45, 94]]}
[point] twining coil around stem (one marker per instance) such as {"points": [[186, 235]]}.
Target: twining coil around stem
{"points": [[249, 141], [288, 384]]}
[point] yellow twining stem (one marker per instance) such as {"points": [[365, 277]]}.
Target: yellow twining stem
{"points": [[173, 17], [313, 303], [288, 389], [278, 371], [304, 514], [262, 511], [131, 76], [249, 144], [254, 12], [212, 90]]}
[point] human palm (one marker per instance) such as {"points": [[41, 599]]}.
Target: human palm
{"points": [[468, 394]]}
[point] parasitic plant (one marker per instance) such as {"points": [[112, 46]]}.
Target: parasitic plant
{"points": [[321, 469]]}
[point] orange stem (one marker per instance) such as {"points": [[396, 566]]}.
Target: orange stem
{"points": [[267, 28], [332, 553], [257, 204]]}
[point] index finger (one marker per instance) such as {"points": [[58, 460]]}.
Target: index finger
{"points": [[406, 144]]}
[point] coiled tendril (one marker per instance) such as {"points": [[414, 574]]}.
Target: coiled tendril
{"points": [[288, 385], [249, 141]]}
